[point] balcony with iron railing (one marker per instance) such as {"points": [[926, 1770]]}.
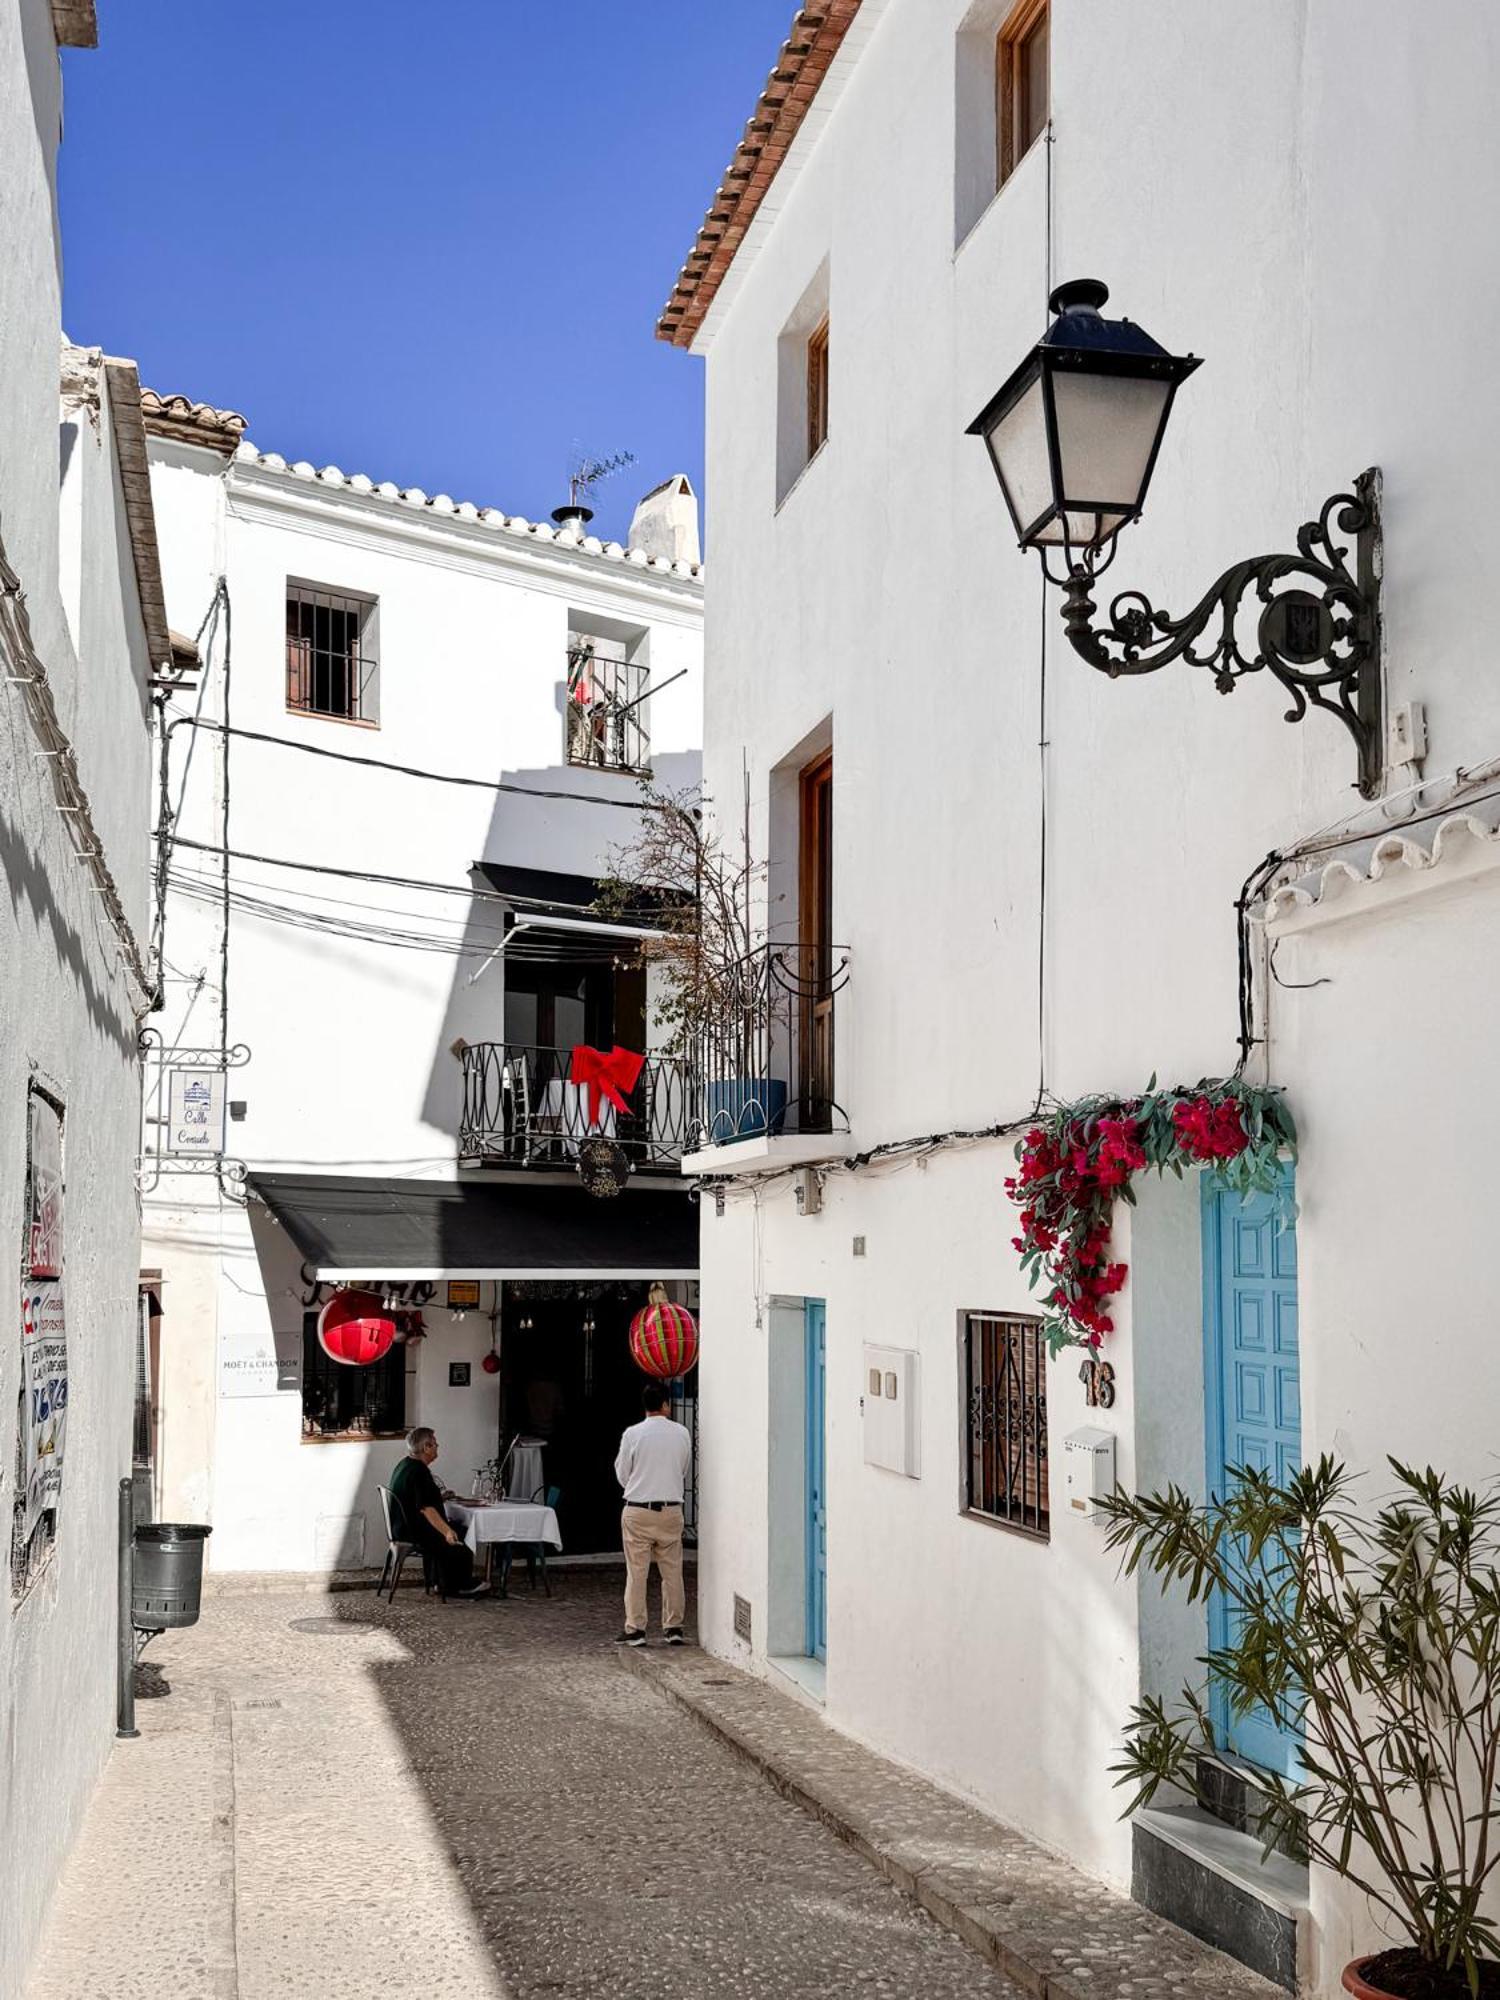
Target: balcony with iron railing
{"points": [[763, 1064], [606, 711], [524, 1107]]}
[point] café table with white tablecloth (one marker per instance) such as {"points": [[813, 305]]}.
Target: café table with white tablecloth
{"points": [[487, 1528]]}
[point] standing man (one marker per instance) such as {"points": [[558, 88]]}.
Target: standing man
{"points": [[652, 1466], [421, 1499]]}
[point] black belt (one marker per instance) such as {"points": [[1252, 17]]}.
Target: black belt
{"points": [[655, 1505]]}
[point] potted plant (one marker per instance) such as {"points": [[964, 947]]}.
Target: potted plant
{"points": [[711, 1001], [1375, 1635]]}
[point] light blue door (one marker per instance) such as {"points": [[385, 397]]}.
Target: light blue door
{"points": [[817, 1492], [1253, 1392]]}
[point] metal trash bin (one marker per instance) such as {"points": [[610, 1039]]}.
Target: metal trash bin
{"points": [[166, 1575]]}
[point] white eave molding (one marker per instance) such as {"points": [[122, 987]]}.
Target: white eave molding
{"points": [[352, 507], [1392, 869]]}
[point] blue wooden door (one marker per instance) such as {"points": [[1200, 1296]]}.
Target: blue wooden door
{"points": [[1253, 1392], [817, 1483]]}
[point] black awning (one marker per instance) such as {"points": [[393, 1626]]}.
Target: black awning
{"points": [[454, 1229], [574, 893]]}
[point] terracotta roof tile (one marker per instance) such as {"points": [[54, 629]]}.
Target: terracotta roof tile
{"points": [[816, 35]]}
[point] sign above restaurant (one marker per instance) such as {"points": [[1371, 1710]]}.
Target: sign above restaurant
{"points": [[462, 1294]]}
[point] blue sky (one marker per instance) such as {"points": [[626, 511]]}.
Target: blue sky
{"points": [[424, 241]]}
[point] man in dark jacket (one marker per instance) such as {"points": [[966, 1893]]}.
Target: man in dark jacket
{"points": [[421, 1501]]}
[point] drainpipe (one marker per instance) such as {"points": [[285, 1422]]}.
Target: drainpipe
{"points": [[125, 1661]]}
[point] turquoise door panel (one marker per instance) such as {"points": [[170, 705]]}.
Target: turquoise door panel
{"points": [[816, 1539], [1252, 1379]]}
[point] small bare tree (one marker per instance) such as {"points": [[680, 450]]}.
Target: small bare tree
{"points": [[676, 876]]}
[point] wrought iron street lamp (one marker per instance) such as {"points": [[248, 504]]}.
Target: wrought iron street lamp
{"points": [[1073, 436]]}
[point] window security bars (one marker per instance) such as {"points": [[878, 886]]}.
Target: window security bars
{"points": [[606, 709], [1004, 1443], [328, 671], [522, 1108], [765, 1059], [341, 1402]]}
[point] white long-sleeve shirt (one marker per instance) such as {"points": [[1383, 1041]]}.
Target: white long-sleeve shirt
{"points": [[653, 1460]]}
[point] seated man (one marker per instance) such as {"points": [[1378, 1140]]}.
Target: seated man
{"points": [[421, 1498]]}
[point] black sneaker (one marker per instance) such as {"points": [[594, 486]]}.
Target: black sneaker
{"points": [[629, 1638], [673, 1636]]}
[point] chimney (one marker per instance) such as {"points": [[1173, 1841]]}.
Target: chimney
{"points": [[666, 521], [573, 519]]}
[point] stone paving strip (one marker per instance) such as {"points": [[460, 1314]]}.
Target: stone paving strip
{"points": [[346, 1800], [1054, 1931]]}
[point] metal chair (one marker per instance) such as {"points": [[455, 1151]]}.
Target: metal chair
{"points": [[399, 1545], [534, 1552]]}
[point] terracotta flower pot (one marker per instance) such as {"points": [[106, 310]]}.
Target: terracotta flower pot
{"points": [[1352, 1983]]}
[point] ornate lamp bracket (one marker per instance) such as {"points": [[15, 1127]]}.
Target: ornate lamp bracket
{"points": [[1316, 623]]}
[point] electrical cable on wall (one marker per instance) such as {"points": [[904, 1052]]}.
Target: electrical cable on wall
{"points": [[72, 800]]}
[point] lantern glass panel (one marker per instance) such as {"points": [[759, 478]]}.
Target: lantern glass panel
{"points": [[1107, 428], [1018, 446]]}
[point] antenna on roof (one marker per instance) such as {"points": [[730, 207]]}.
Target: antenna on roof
{"points": [[586, 475]]}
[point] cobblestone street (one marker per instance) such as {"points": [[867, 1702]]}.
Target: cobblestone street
{"points": [[338, 1799]]}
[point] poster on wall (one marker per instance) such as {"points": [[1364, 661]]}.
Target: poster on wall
{"points": [[44, 1387], [44, 1220]]}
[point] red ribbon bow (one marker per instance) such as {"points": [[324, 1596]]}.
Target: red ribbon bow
{"points": [[608, 1075]]}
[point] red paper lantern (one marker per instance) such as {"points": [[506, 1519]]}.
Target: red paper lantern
{"points": [[355, 1329], [491, 1363], [664, 1340]]}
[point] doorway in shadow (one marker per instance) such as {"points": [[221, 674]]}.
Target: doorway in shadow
{"points": [[566, 1377]]}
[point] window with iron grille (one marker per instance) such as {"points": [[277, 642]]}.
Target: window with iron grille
{"points": [[41, 1405], [343, 1402], [1003, 1364], [606, 706], [330, 654]]}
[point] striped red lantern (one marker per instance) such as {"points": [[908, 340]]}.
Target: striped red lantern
{"points": [[664, 1339], [355, 1329]]}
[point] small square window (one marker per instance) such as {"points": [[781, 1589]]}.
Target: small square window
{"points": [[330, 654], [1022, 85]]}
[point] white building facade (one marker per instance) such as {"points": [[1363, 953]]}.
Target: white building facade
{"points": [[996, 871], [82, 635], [409, 963]]}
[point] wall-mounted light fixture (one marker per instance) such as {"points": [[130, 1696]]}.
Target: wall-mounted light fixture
{"points": [[1074, 435]]}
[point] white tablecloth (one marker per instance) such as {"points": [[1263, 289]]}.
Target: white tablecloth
{"points": [[505, 1521], [564, 1114], [524, 1474]]}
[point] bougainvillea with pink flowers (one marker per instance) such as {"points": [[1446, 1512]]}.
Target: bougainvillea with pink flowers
{"points": [[1080, 1159]]}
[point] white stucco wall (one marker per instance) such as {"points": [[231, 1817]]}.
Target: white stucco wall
{"points": [[350, 1069], [65, 1003], [1203, 170]]}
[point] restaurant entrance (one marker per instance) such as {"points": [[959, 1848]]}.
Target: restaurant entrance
{"points": [[566, 1377]]}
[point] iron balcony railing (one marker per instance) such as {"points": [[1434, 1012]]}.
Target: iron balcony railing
{"points": [[606, 711], [764, 1064], [522, 1108]]}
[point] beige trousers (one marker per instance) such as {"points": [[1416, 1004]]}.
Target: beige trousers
{"points": [[646, 1534]]}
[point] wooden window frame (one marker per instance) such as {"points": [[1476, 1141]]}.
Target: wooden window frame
{"points": [[817, 388], [815, 935], [1010, 83], [1027, 1511]]}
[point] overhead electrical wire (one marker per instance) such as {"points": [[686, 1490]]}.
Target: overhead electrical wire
{"points": [[411, 770]]}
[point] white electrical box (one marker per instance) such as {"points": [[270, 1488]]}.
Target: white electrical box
{"points": [[1089, 1464], [888, 1399]]}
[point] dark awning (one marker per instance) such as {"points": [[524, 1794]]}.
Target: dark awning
{"points": [[574, 893], [481, 1229]]}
